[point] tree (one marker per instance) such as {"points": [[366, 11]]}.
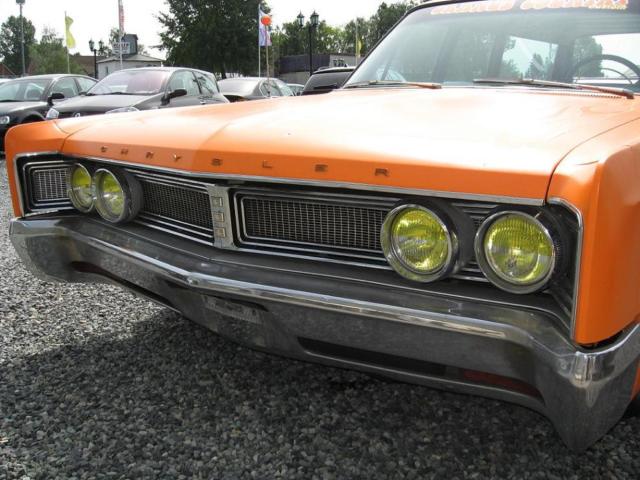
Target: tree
{"points": [[50, 55], [384, 19], [10, 49], [587, 47], [217, 35]]}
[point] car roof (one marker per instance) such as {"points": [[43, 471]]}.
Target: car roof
{"points": [[50, 76], [334, 70]]}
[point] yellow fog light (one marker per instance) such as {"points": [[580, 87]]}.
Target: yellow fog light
{"points": [[417, 243], [516, 252], [118, 195], [80, 188]]}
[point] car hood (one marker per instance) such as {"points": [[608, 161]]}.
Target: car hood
{"points": [[100, 103], [7, 108], [489, 141]]}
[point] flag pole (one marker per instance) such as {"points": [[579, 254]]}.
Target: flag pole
{"points": [[66, 38], [259, 51]]}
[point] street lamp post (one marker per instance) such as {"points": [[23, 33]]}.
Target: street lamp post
{"points": [[314, 20], [100, 49], [24, 69]]}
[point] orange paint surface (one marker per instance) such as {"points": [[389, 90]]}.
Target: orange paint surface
{"points": [[521, 143]]}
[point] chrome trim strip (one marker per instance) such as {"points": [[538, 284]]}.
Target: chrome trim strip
{"points": [[578, 259], [326, 184]]}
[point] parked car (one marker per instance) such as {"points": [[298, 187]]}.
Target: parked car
{"points": [[326, 80], [253, 88], [296, 88], [441, 219], [143, 89], [27, 99]]}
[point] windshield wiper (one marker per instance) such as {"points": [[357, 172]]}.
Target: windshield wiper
{"points": [[394, 83], [548, 84]]}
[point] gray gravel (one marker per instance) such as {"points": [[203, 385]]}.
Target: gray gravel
{"points": [[95, 383]]}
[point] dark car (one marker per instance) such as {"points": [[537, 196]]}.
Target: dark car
{"points": [[27, 99], [143, 89], [325, 80], [253, 88]]}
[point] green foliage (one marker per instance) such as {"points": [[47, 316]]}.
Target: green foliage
{"points": [[10, 49], [587, 47], [215, 35], [50, 55]]}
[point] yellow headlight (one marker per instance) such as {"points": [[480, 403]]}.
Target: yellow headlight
{"points": [[80, 188], [518, 250], [417, 243]]}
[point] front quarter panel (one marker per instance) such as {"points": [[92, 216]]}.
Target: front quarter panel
{"points": [[601, 178], [30, 138]]}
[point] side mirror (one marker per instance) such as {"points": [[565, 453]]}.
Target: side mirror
{"points": [[55, 96], [178, 92]]}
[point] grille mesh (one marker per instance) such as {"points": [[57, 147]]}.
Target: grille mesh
{"points": [[315, 223], [187, 205], [50, 184]]}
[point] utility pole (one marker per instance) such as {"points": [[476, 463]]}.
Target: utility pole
{"points": [[24, 69]]}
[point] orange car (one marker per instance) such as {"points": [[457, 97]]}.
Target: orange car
{"points": [[463, 214]]}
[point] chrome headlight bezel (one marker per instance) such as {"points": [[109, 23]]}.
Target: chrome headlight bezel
{"points": [[131, 190], [392, 254], [71, 191], [552, 233]]}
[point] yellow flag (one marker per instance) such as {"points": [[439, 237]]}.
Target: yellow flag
{"points": [[358, 47], [71, 42]]}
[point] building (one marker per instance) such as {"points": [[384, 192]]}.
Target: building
{"points": [[295, 68], [112, 64], [5, 72]]}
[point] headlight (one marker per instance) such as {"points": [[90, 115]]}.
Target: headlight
{"points": [[52, 114], [117, 195], [517, 252], [123, 110], [80, 188], [417, 243], [5, 120]]}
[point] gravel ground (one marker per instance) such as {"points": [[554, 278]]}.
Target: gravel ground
{"points": [[95, 383]]}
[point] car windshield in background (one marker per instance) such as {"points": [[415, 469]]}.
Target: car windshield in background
{"points": [[587, 42], [23, 90], [237, 85], [136, 82]]}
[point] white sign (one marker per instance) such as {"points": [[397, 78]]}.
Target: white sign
{"points": [[125, 46]]}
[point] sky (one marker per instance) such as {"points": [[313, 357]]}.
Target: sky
{"points": [[93, 19]]}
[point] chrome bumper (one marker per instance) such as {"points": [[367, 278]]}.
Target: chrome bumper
{"points": [[294, 313]]}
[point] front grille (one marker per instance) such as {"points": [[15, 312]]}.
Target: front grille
{"points": [[318, 223], [50, 185]]}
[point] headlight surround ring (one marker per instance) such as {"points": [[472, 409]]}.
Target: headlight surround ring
{"points": [[393, 250], [117, 195], [81, 195], [546, 230]]}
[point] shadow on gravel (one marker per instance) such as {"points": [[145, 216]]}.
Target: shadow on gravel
{"points": [[175, 401]]}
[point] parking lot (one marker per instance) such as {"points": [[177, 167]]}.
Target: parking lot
{"points": [[95, 383]]}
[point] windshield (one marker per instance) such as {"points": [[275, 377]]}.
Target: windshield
{"points": [[131, 82], [588, 42], [23, 90], [237, 85]]}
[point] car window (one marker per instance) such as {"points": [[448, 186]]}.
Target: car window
{"points": [[285, 89], [85, 83], [184, 79], [207, 83], [612, 69], [526, 58], [269, 89], [66, 86], [131, 82], [23, 90]]}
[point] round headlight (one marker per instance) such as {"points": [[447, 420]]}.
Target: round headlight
{"points": [[417, 243], [117, 194], [80, 188], [516, 252]]}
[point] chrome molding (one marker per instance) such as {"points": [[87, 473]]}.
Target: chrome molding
{"points": [[578, 258], [16, 176]]}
